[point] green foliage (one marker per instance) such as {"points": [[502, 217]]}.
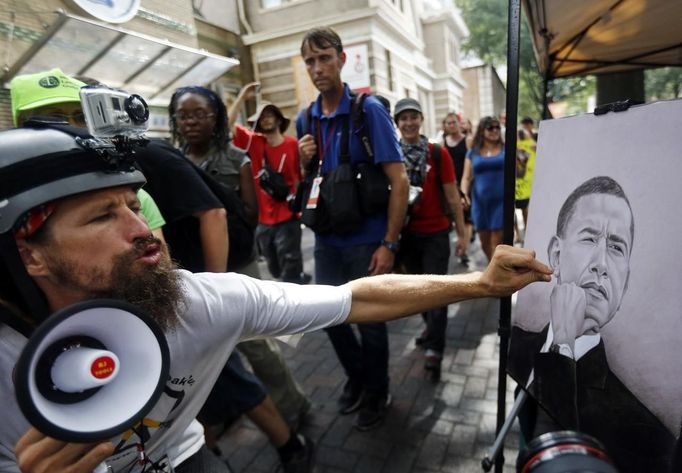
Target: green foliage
{"points": [[487, 23], [663, 83]]}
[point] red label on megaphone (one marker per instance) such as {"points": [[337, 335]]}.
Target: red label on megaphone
{"points": [[103, 367]]}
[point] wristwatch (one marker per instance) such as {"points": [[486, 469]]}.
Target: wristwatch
{"points": [[394, 246]]}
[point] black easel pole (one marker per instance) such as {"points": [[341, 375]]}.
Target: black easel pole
{"points": [[513, 32]]}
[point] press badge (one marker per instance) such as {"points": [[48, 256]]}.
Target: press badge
{"points": [[314, 193]]}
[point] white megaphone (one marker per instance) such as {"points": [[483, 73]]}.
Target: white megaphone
{"points": [[91, 371]]}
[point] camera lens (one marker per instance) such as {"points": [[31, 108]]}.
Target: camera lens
{"points": [[564, 452], [137, 109]]}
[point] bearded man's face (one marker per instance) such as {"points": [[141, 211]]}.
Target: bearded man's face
{"points": [[96, 245]]}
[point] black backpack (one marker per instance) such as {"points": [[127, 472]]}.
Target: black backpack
{"points": [[240, 232], [354, 193]]}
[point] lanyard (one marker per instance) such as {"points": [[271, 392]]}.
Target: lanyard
{"points": [[281, 160], [328, 140]]}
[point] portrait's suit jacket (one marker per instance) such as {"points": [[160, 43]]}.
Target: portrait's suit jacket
{"points": [[588, 397]]}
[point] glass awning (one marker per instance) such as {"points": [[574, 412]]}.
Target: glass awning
{"points": [[138, 63]]}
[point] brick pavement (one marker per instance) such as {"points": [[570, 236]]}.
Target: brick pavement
{"points": [[446, 427]]}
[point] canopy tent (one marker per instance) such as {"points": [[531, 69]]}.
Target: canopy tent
{"points": [[602, 36]]}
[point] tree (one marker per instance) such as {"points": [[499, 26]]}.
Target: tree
{"points": [[663, 83], [487, 23]]}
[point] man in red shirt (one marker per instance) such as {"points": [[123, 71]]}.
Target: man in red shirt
{"points": [[271, 151]]}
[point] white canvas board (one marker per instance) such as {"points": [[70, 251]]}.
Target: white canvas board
{"points": [[640, 149]]}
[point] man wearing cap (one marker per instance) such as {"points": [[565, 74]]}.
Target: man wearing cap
{"points": [[271, 151], [371, 249], [425, 240], [54, 94]]}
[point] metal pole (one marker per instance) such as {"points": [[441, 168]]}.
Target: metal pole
{"points": [[513, 34], [494, 451]]}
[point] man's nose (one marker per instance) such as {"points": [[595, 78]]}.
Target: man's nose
{"points": [[137, 225], [598, 261]]}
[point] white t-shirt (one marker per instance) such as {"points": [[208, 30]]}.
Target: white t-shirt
{"points": [[222, 310]]}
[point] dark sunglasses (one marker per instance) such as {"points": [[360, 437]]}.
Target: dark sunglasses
{"points": [[492, 127]]}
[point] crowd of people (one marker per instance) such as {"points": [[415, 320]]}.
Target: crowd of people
{"points": [[415, 203]]}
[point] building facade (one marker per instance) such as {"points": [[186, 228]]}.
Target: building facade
{"points": [[395, 48], [409, 48], [485, 94]]}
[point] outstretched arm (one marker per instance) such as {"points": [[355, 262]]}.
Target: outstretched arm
{"points": [[246, 92], [391, 296]]}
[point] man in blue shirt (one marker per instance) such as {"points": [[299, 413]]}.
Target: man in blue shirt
{"points": [[369, 250]]}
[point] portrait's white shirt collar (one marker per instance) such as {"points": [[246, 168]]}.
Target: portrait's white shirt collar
{"points": [[583, 344]]}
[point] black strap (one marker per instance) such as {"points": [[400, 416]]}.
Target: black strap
{"points": [[10, 319], [357, 113], [344, 157], [31, 299], [307, 128], [357, 117]]}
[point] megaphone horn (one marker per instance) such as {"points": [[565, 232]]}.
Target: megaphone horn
{"points": [[91, 371]]}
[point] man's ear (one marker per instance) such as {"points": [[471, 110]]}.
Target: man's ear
{"points": [[342, 58], [554, 253], [33, 259]]}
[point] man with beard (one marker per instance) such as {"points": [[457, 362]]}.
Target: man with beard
{"points": [[73, 233]]}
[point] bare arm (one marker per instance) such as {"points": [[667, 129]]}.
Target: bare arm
{"points": [[247, 92], [452, 197], [391, 296], [214, 239], [37, 453], [383, 258], [247, 191], [467, 176]]}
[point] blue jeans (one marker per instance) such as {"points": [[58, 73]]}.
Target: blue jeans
{"points": [[364, 360], [428, 253], [235, 392]]}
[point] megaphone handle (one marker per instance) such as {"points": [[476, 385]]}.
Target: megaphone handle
{"points": [[103, 468]]}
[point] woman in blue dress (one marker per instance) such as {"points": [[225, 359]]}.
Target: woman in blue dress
{"points": [[484, 166]]}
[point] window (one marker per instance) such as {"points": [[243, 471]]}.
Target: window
{"points": [[389, 70], [454, 51], [265, 4]]}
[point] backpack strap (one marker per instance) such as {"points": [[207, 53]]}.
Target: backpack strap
{"points": [[307, 129], [357, 114], [344, 156], [308, 119]]}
